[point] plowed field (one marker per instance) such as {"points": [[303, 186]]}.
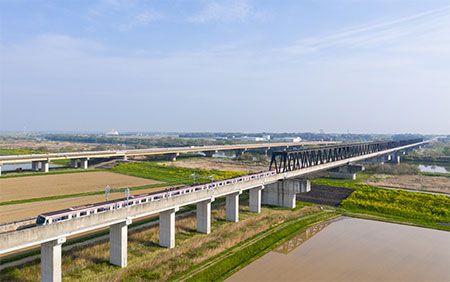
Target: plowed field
{"points": [[19, 188]]}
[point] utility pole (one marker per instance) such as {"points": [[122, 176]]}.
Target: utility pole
{"points": [[193, 176], [107, 190], [212, 178]]}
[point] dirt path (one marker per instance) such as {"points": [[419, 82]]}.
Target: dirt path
{"points": [[27, 187]]}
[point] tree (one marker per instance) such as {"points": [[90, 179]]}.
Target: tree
{"points": [[446, 150]]}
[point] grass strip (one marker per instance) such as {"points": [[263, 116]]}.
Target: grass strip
{"points": [[371, 215], [231, 263]]}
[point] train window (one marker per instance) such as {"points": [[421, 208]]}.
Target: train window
{"points": [[100, 210], [143, 200], [40, 220], [83, 213], [65, 217]]}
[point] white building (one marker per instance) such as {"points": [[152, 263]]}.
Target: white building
{"points": [[246, 138], [112, 133], [288, 139]]}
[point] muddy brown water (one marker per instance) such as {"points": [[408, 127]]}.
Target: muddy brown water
{"points": [[352, 249]]}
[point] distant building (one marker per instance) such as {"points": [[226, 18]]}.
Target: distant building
{"points": [[288, 139], [247, 138], [112, 133]]}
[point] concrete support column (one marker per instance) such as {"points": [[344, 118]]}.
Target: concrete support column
{"points": [[74, 163], [394, 158], [204, 216], [173, 157], [44, 166], [0, 170], [282, 193], [345, 172], [167, 228], [232, 207], [125, 158], [255, 199], [239, 152], [118, 239], [35, 166], [51, 260], [209, 153], [84, 163]]}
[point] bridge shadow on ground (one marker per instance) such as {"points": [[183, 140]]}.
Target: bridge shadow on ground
{"points": [[325, 195]]}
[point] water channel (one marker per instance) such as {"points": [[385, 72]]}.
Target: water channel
{"points": [[433, 168], [350, 249], [23, 166]]}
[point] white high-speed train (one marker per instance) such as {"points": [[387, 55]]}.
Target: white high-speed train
{"points": [[88, 209]]}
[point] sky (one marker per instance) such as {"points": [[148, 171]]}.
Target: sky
{"points": [[358, 66]]}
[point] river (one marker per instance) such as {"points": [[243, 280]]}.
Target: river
{"points": [[350, 249], [433, 168], [23, 166]]}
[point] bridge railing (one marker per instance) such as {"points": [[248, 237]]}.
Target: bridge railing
{"points": [[283, 161]]}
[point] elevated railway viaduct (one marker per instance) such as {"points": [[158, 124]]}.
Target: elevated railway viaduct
{"points": [[276, 187], [40, 162]]}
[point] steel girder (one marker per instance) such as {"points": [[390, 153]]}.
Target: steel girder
{"points": [[284, 161]]}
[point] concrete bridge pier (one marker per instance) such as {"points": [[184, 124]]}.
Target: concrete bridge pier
{"points": [[255, 199], [232, 207], [84, 163], [282, 193], [210, 153], [118, 240], [239, 152], [204, 216], [394, 158], [345, 172], [44, 166], [172, 157], [35, 166], [73, 163], [51, 260], [167, 228]]}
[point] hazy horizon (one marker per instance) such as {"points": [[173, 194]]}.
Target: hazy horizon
{"points": [[378, 67]]}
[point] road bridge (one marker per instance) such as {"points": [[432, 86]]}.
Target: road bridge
{"points": [[80, 159], [278, 188]]}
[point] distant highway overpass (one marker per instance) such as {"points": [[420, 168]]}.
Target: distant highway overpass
{"points": [[41, 161]]}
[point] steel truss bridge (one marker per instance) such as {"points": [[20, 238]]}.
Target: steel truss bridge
{"points": [[283, 161]]}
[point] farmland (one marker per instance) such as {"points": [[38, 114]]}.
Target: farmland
{"points": [[172, 174], [20, 188]]}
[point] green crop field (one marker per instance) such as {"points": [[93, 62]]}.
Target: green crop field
{"points": [[425, 209], [172, 174], [9, 152]]}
